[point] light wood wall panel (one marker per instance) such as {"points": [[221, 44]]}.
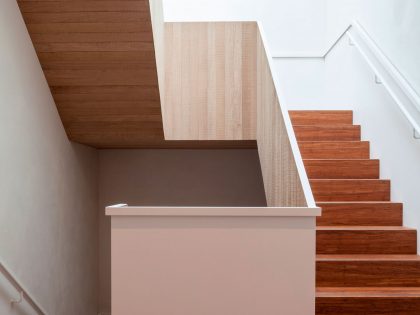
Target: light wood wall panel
{"points": [[219, 86], [99, 60], [210, 81], [282, 182]]}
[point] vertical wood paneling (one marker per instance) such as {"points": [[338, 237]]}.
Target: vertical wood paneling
{"points": [[210, 81], [219, 86], [281, 178]]}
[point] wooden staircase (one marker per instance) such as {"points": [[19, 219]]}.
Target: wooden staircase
{"points": [[367, 261]]}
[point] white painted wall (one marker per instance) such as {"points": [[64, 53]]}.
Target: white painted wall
{"points": [[393, 24], [48, 188], [290, 25], [302, 80]]}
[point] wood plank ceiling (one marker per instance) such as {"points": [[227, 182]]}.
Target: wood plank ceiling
{"points": [[99, 60]]}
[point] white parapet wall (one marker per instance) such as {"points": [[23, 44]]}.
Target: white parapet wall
{"points": [[185, 261]]}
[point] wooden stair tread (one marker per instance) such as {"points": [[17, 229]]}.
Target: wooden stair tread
{"points": [[342, 168], [360, 204], [334, 149], [368, 292], [368, 257], [364, 228], [327, 132], [309, 117]]}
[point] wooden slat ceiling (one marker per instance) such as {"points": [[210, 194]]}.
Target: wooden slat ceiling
{"points": [[99, 60]]}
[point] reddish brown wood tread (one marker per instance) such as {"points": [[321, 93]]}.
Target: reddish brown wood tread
{"points": [[315, 117], [342, 168], [366, 262], [367, 292], [327, 132], [334, 149]]}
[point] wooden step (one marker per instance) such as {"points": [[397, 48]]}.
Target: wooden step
{"points": [[321, 117], [360, 213], [342, 169], [327, 132], [342, 240], [335, 149], [350, 189], [368, 301], [368, 271]]}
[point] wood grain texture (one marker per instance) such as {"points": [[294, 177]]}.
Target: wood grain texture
{"points": [[219, 86], [60, 6], [360, 213], [368, 271], [342, 169], [210, 81], [334, 149], [367, 292], [370, 301], [99, 60], [281, 179], [350, 189], [327, 132], [368, 262], [366, 240], [321, 117], [133, 143]]}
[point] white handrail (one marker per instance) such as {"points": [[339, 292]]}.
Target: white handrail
{"points": [[311, 55], [386, 73], [23, 293]]}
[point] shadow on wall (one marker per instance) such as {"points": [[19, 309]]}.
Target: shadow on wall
{"points": [[173, 178]]}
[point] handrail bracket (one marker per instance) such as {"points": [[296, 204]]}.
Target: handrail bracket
{"points": [[19, 300]]}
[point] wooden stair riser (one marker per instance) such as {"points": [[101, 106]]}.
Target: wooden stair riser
{"points": [[360, 214], [367, 305], [350, 190], [342, 169], [328, 117], [368, 273], [367, 242], [328, 133], [358, 223], [334, 149]]}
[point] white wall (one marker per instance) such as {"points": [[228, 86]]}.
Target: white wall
{"points": [[393, 24], [48, 192], [302, 81], [289, 24]]}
